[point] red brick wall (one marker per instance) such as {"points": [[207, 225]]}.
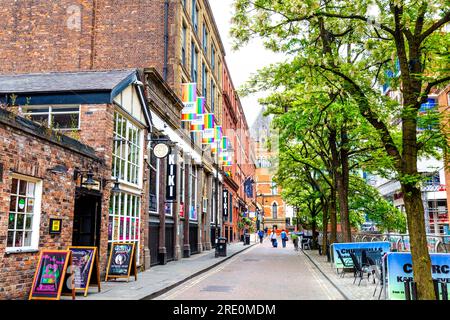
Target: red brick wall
{"points": [[29, 155]]}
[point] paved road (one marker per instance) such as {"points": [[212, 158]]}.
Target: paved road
{"points": [[262, 272]]}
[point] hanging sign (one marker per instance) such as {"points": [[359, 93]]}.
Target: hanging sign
{"points": [[84, 269], [122, 261], [50, 274], [225, 202], [171, 178], [161, 150]]}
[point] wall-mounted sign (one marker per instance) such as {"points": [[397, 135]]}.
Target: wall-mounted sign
{"points": [[161, 150], [225, 202], [171, 178], [55, 226], [122, 261], [50, 275]]}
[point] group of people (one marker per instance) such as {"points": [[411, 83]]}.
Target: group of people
{"points": [[273, 238]]}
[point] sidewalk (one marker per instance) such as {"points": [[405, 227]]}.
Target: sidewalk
{"points": [[345, 285], [160, 278]]}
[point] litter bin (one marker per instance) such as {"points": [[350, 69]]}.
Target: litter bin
{"points": [[221, 247], [246, 239]]}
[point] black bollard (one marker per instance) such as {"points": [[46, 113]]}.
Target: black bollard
{"points": [[414, 290], [436, 288], [407, 290], [444, 290]]}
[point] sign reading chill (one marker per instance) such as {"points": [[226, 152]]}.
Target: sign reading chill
{"points": [[171, 178]]}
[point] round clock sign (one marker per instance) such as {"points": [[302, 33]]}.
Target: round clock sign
{"points": [[161, 150]]}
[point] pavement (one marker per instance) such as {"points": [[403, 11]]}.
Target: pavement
{"points": [[260, 273], [160, 278], [365, 291]]}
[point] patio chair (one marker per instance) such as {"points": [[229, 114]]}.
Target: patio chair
{"points": [[360, 270], [372, 266], [382, 280], [345, 264]]}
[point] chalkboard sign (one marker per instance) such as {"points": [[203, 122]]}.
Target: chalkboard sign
{"points": [[84, 269], [50, 274], [122, 261]]}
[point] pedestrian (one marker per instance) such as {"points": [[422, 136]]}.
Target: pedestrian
{"points": [[265, 231], [294, 238], [273, 238], [284, 238], [261, 236]]}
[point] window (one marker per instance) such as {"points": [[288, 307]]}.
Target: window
{"points": [[183, 47], [57, 117], [182, 181], [218, 71], [204, 80], [205, 39], [275, 210], [194, 54], [231, 208], [126, 150], [154, 183], [24, 214], [195, 15], [193, 194], [213, 53], [124, 218], [184, 3], [213, 95], [274, 188], [433, 180]]}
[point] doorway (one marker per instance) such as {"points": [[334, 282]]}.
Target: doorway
{"points": [[87, 218]]}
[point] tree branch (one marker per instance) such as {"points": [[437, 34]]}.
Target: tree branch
{"points": [[435, 26]]}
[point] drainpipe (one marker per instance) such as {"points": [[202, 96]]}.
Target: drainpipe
{"points": [[166, 37]]}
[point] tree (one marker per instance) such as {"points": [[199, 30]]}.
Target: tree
{"points": [[316, 33]]}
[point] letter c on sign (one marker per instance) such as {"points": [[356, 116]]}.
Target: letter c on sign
{"points": [[407, 268]]}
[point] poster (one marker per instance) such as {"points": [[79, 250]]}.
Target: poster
{"points": [[49, 275], [121, 260], [399, 269], [378, 248], [82, 262]]}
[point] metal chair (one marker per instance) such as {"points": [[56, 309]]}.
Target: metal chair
{"points": [[345, 264], [360, 270]]}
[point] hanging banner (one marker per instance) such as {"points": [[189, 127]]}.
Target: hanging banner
{"points": [[197, 125], [171, 178], [208, 136], [399, 270], [224, 144], [208, 121], [188, 92], [225, 203]]}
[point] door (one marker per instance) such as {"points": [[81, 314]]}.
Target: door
{"points": [[153, 245], [86, 220], [193, 238], [169, 242]]}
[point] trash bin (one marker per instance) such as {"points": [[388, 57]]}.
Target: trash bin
{"points": [[247, 239], [221, 247]]}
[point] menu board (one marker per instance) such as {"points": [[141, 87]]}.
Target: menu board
{"points": [[49, 276], [122, 261], [85, 267]]}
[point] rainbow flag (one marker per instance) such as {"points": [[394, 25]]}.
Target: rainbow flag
{"points": [[188, 92], [188, 112], [227, 163], [200, 107], [208, 136], [224, 144], [198, 124], [218, 133], [208, 120]]}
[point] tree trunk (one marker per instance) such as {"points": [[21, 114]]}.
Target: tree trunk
{"points": [[333, 219], [325, 209], [343, 189]]}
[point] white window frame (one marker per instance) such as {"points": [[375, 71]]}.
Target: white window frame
{"points": [[118, 156], [271, 209], [35, 229], [158, 167], [126, 214], [50, 113]]}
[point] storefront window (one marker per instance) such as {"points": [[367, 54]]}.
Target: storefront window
{"points": [[23, 219], [193, 194], [154, 184], [124, 218], [126, 150]]}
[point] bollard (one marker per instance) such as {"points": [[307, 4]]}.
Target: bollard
{"points": [[436, 288], [407, 290], [444, 291], [414, 290]]}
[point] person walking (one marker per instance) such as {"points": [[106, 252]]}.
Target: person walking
{"points": [[284, 238], [261, 236], [294, 238], [266, 230], [273, 238]]}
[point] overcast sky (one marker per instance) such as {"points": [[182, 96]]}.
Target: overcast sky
{"points": [[243, 62]]}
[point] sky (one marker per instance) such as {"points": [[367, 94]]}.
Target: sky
{"points": [[244, 61]]}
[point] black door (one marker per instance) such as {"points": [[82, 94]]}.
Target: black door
{"points": [[86, 220], [153, 245], [169, 242], [193, 238], [213, 237]]}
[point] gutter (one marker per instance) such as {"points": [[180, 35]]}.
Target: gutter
{"points": [[166, 37]]}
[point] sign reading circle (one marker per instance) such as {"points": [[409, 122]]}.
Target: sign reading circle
{"points": [[161, 150]]}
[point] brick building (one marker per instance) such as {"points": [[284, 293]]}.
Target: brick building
{"points": [[107, 112]]}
